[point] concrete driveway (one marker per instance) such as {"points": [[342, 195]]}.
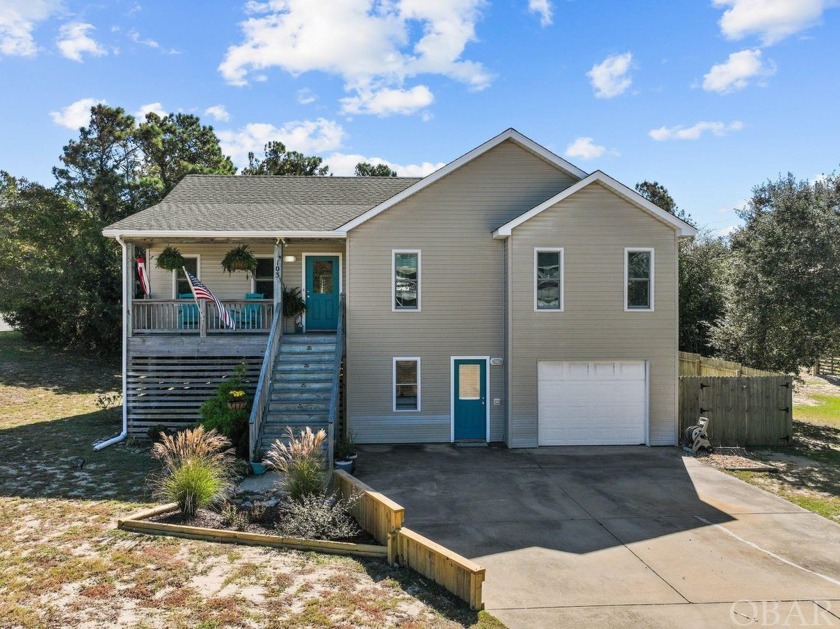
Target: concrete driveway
{"points": [[618, 536]]}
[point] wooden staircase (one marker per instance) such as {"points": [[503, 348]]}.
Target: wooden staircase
{"points": [[301, 387]]}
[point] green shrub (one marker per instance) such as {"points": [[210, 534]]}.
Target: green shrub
{"points": [[301, 461], [196, 469], [318, 516], [217, 415]]}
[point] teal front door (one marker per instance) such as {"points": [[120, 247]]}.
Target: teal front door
{"points": [[469, 398], [322, 288]]}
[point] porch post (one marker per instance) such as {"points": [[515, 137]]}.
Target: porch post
{"points": [[278, 274], [128, 282]]}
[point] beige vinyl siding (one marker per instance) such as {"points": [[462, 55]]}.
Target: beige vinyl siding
{"points": [[593, 226], [235, 285], [463, 275]]}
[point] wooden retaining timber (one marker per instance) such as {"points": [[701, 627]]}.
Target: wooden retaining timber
{"points": [[457, 574], [138, 523], [383, 519], [376, 513]]}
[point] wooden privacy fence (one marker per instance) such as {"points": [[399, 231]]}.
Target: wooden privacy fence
{"points": [[697, 365], [742, 410], [383, 519]]}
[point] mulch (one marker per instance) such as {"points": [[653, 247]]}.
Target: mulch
{"points": [[735, 460]]}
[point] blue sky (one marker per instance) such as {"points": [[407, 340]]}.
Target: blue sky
{"points": [[708, 97]]}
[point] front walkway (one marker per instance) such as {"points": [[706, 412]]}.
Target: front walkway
{"points": [[616, 536]]}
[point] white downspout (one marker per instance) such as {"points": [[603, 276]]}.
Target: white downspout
{"points": [[125, 322]]}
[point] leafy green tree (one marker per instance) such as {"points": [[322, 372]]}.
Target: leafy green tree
{"points": [[783, 311], [174, 146], [100, 171], [364, 169], [658, 194], [279, 161], [60, 279]]}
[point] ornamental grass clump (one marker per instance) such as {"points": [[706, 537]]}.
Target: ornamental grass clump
{"points": [[196, 469], [301, 461]]}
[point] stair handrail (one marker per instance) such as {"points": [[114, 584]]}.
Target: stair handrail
{"points": [[339, 353], [261, 395]]}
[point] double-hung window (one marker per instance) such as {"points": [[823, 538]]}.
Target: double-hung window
{"points": [[548, 279], [406, 384], [180, 285], [638, 279], [263, 281], [405, 279]]}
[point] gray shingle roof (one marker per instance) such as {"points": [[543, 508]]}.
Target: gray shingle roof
{"points": [[263, 203]]}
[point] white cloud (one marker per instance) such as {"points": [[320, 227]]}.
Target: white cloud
{"points": [[735, 73], [306, 96], [388, 101], [18, 19], [150, 108], [696, 131], [74, 41], [134, 36], [610, 78], [75, 115], [344, 164], [542, 8], [307, 136], [725, 232], [585, 148], [372, 45], [218, 113], [772, 20]]}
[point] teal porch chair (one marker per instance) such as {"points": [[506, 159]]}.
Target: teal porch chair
{"points": [[250, 317], [188, 315]]}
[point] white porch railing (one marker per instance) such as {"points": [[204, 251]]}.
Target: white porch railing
{"points": [[184, 316]]}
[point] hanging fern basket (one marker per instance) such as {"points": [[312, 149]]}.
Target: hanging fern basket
{"points": [[239, 259], [170, 259]]}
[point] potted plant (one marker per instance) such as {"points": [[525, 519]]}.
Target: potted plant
{"points": [[239, 259], [170, 259], [345, 454], [293, 305], [237, 400]]}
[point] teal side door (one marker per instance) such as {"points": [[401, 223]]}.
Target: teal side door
{"points": [[470, 398], [322, 280]]}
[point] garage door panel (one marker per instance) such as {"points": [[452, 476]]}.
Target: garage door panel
{"points": [[592, 402]]}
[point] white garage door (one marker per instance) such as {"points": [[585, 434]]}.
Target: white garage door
{"points": [[592, 403]]}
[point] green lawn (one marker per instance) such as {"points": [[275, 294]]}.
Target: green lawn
{"points": [[64, 564]]}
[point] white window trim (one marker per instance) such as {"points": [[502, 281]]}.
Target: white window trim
{"points": [[627, 251], [393, 288], [197, 256], [394, 384], [559, 250], [254, 275]]}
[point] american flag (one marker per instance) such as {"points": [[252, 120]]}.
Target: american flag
{"points": [[200, 291]]}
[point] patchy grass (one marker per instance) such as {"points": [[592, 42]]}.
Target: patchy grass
{"points": [[825, 409], [63, 563]]}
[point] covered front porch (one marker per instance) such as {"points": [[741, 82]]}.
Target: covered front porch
{"points": [[313, 268]]}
